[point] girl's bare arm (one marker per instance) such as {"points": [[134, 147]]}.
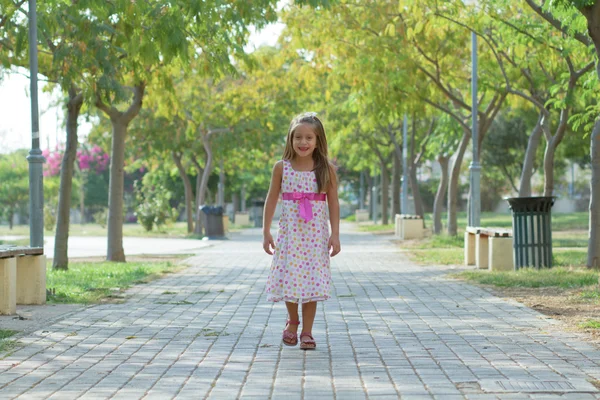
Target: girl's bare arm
{"points": [[270, 205], [334, 215]]}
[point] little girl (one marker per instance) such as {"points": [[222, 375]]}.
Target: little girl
{"points": [[300, 268]]}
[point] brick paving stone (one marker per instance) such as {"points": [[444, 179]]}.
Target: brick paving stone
{"points": [[390, 329]]}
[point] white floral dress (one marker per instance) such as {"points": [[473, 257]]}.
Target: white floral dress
{"points": [[300, 269]]}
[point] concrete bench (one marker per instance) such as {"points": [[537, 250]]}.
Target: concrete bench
{"points": [[361, 215], [489, 248], [241, 218], [22, 277], [408, 226]]}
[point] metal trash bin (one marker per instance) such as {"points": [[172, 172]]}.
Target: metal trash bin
{"points": [[257, 212], [532, 231], [213, 222]]}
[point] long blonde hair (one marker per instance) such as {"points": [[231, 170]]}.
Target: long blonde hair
{"points": [[322, 165]]}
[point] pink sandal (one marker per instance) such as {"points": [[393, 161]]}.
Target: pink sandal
{"points": [[308, 344], [290, 338]]}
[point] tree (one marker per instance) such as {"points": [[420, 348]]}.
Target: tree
{"points": [[590, 10]]}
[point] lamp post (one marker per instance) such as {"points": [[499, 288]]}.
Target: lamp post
{"points": [[35, 158], [475, 167], [404, 198]]}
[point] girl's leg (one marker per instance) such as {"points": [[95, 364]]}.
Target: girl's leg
{"points": [[292, 309], [309, 310]]}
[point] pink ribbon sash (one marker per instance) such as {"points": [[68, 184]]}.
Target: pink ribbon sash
{"points": [[304, 204]]}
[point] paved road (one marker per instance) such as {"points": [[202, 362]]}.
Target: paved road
{"points": [[95, 246], [391, 330]]}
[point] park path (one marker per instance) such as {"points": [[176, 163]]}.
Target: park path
{"points": [[391, 330]]}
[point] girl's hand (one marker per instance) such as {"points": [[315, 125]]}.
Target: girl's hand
{"points": [[334, 245], [268, 243]]}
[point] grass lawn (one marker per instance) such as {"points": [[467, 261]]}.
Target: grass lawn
{"points": [[6, 345], [561, 277], [93, 281]]}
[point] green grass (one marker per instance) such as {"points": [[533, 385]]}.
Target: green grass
{"points": [[440, 241], [569, 257], [447, 252], [6, 333], [350, 218], [6, 345], [591, 324], [560, 222], [376, 228], [561, 277], [445, 256], [18, 242], [91, 282], [590, 295]]}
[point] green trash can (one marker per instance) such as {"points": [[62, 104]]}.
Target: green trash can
{"points": [[532, 231]]}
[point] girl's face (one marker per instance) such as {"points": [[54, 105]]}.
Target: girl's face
{"points": [[304, 140]]}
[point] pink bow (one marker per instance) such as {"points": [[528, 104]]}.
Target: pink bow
{"points": [[304, 204]]}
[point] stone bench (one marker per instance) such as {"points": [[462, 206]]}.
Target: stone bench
{"points": [[408, 226], [22, 277], [489, 248], [361, 215]]}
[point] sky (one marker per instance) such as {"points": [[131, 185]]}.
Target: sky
{"points": [[15, 105]]}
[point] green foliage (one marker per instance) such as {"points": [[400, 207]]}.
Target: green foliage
{"points": [[510, 132], [14, 183], [101, 217], [49, 217], [153, 208]]}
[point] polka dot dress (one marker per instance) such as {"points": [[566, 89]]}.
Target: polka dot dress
{"points": [[300, 269]]}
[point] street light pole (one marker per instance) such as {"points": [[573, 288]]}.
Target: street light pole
{"points": [[35, 158], [475, 167], [404, 200]]}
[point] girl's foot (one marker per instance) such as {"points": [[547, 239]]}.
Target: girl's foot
{"points": [[307, 342], [290, 333]]}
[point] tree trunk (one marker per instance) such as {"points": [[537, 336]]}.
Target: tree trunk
{"points": [[439, 196], [61, 241], [221, 187], [414, 187], [527, 171], [396, 174], [187, 189], [115, 250], [369, 181], [593, 260], [592, 14], [11, 216], [453, 183], [119, 121], [235, 201], [82, 196], [385, 194], [243, 198], [549, 167], [199, 173], [204, 180]]}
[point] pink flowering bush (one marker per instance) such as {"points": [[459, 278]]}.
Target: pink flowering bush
{"points": [[87, 159]]}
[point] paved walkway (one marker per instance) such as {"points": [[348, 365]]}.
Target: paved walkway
{"points": [[95, 246], [391, 330]]}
